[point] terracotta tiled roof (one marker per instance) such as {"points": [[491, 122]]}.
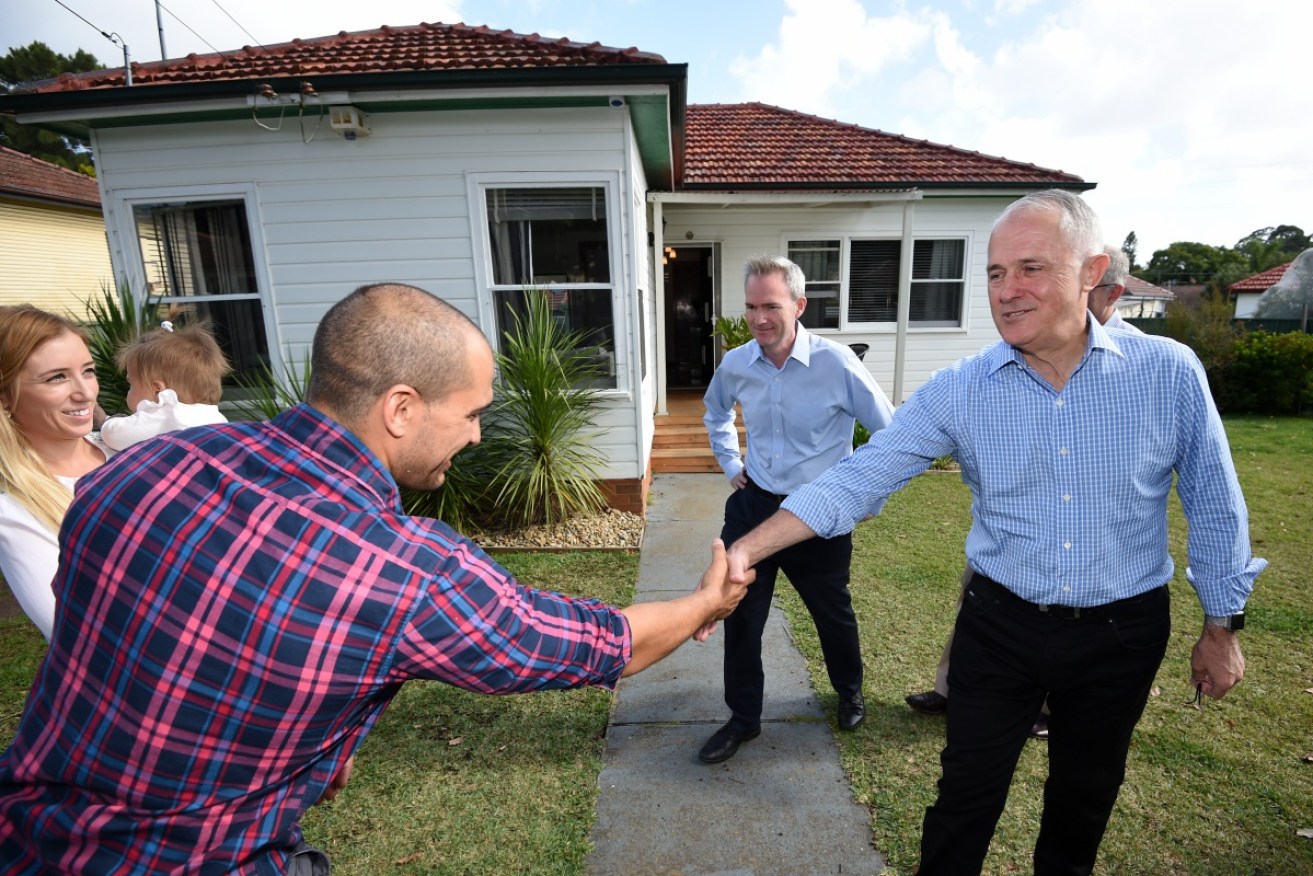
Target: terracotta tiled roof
{"points": [[1260, 282], [755, 145], [386, 50], [29, 177], [1137, 288]]}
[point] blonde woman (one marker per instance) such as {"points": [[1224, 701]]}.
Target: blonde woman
{"points": [[48, 393]]}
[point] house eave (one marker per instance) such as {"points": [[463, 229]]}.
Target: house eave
{"points": [[976, 187], [654, 93]]}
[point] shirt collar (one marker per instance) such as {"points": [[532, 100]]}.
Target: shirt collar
{"points": [[325, 436], [802, 347], [1003, 353]]}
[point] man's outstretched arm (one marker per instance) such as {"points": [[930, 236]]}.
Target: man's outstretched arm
{"points": [[658, 628], [781, 530]]}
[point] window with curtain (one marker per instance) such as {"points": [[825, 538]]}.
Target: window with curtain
{"points": [[198, 261], [869, 293], [820, 261], [556, 239]]}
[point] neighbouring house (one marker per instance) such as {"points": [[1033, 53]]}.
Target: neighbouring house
{"points": [[52, 236], [1246, 292], [1143, 300], [259, 186]]}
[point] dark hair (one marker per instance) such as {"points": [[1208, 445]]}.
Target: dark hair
{"points": [[382, 335], [186, 359]]}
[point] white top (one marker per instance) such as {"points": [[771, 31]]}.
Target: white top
{"points": [[156, 418], [29, 555]]}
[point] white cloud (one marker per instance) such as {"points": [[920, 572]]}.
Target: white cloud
{"points": [[824, 46], [1184, 111]]}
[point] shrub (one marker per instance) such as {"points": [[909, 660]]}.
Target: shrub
{"points": [[539, 449], [733, 332], [1268, 374]]}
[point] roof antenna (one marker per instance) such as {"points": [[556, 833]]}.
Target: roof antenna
{"points": [[127, 61]]}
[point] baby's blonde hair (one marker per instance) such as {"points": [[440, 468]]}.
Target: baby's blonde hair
{"points": [[185, 358]]}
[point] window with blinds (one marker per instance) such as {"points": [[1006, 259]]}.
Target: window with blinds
{"points": [[197, 261], [555, 239], [868, 291]]}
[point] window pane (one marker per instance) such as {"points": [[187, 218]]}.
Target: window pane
{"points": [[193, 251], [938, 259], [938, 303], [819, 260], [873, 281], [576, 310], [548, 235], [197, 250]]}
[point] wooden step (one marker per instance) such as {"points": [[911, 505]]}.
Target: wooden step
{"points": [[683, 460], [687, 436]]}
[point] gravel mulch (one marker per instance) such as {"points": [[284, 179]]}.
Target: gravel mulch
{"points": [[609, 530]]}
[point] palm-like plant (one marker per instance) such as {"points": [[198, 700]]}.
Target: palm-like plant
{"points": [[117, 320], [268, 392], [539, 447]]}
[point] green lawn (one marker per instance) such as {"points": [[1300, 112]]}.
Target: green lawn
{"points": [[457, 783], [1220, 790]]}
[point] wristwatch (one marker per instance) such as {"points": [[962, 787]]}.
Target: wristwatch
{"points": [[1233, 622]]}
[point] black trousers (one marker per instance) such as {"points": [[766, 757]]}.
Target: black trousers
{"points": [[818, 569], [1096, 669]]}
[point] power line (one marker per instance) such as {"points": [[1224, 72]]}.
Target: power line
{"points": [[189, 27], [113, 38], [238, 23]]}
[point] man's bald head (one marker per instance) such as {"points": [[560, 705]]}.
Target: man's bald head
{"points": [[383, 335]]}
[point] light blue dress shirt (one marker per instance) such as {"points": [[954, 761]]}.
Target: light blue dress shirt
{"points": [[1069, 489], [799, 418]]}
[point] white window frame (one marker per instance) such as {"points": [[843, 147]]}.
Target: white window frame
{"points": [[477, 186], [124, 228], [845, 242]]}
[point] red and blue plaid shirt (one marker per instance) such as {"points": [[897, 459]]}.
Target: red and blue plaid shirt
{"points": [[237, 606]]}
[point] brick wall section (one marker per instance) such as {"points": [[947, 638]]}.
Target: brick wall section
{"points": [[628, 494]]}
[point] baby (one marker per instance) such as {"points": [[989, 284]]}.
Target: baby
{"points": [[175, 380]]}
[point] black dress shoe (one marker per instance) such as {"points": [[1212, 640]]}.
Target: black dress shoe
{"points": [[852, 712], [932, 702], [724, 744]]}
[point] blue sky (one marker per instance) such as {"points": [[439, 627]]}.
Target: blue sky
{"points": [[1183, 111]]}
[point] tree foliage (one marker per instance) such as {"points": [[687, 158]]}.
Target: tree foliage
{"points": [[1191, 263], [1129, 246], [34, 63]]}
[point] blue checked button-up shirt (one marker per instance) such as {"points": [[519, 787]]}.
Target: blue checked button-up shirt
{"points": [[799, 418], [1069, 489]]}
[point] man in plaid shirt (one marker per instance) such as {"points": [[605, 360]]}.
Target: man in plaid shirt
{"points": [[238, 604]]}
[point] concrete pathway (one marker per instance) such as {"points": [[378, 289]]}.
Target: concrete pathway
{"points": [[781, 806]]}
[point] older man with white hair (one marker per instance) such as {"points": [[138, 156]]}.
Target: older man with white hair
{"points": [[1070, 437]]}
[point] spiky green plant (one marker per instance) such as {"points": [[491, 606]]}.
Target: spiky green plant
{"points": [[117, 318], [268, 392], [540, 445]]}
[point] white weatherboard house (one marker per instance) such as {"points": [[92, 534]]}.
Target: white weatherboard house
{"points": [[260, 186]]}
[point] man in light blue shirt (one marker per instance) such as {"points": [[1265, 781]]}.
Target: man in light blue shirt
{"points": [[1102, 303], [1068, 436], [800, 395]]}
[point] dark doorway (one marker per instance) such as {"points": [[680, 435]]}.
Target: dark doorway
{"points": [[689, 315]]}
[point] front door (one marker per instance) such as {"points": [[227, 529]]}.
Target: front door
{"points": [[689, 320]]}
